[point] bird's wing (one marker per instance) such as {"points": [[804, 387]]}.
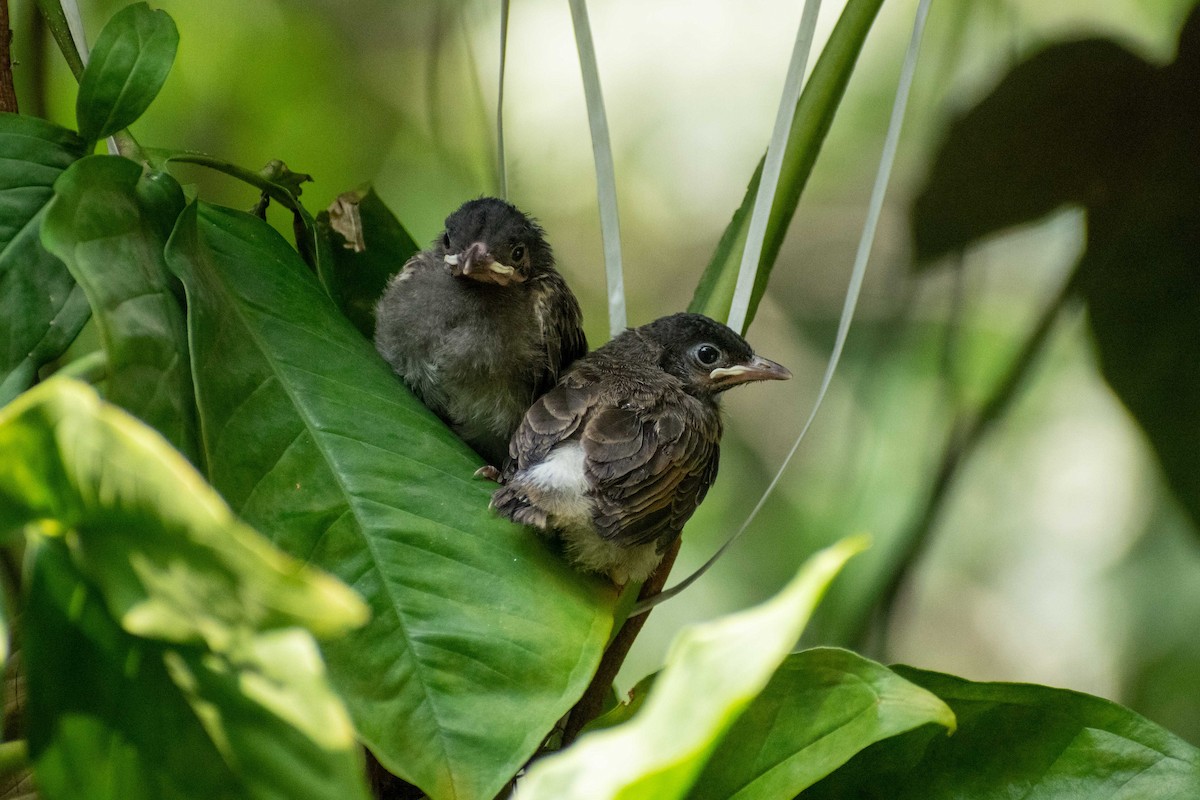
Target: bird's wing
{"points": [[553, 417], [649, 469], [561, 327]]}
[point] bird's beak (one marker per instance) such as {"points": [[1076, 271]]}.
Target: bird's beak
{"points": [[477, 263], [756, 369]]}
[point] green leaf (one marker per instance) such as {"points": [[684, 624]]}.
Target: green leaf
{"points": [[128, 65], [480, 637], [1018, 740], [161, 636], [606, 180], [1082, 106], [369, 245], [168, 556], [116, 717], [109, 223], [821, 707], [814, 114], [713, 672], [41, 308], [277, 182], [1112, 133]]}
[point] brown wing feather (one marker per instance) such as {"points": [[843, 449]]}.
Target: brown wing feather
{"points": [[553, 417], [561, 321], [649, 469]]}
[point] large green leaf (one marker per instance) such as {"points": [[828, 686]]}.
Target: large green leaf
{"points": [[41, 308], [814, 115], [1021, 741], [1110, 132], [109, 223], [480, 638], [713, 672], [163, 639], [128, 65], [368, 246], [991, 174], [821, 707]]}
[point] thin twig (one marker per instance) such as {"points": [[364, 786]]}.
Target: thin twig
{"points": [[590, 705], [8, 91]]}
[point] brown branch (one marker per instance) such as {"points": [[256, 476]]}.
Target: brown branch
{"points": [[592, 702], [8, 91]]}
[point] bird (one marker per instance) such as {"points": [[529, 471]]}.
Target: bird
{"points": [[481, 323], [619, 454]]}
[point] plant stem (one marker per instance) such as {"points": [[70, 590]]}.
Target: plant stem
{"points": [[592, 702], [962, 444], [8, 92]]}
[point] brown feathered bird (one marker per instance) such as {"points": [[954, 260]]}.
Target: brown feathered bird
{"points": [[481, 323], [616, 458]]}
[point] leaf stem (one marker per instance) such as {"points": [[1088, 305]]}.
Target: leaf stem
{"points": [[60, 29], [606, 181], [8, 92]]}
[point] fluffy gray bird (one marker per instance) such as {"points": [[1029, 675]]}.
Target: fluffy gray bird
{"points": [[616, 458], [480, 324]]}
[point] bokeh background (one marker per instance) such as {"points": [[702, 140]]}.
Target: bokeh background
{"points": [[1060, 558]]}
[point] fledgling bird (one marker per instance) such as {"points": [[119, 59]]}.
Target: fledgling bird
{"points": [[616, 458], [481, 324]]}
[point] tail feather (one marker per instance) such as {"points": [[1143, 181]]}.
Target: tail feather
{"points": [[514, 505]]}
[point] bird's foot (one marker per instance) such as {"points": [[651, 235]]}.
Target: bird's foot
{"points": [[489, 472]]}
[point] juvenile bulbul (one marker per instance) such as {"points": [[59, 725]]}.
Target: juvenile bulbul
{"points": [[480, 324], [616, 457]]}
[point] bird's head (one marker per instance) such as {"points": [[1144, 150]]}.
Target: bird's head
{"points": [[707, 356], [492, 242]]}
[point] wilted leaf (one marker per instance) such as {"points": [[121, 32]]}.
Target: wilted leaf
{"points": [[368, 245], [713, 672], [41, 308], [109, 223], [128, 65], [1020, 741], [480, 638]]}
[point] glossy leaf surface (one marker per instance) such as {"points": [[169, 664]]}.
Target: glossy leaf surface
{"points": [[312, 439]]}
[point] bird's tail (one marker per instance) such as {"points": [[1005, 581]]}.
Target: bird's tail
{"points": [[510, 503]]}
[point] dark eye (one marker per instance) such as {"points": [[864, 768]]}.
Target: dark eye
{"points": [[707, 355], [518, 252], [446, 240]]}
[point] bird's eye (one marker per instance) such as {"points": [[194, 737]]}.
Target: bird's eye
{"points": [[518, 252], [707, 355], [446, 240]]}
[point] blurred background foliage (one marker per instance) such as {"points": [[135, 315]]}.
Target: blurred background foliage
{"points": [[1060, 557]]}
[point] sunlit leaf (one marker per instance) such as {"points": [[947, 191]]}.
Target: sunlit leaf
{"points": [[312, 439], [713, 672], [109, 223], [163, 640], [1018, 740], [41, 308], [821, 707], [128, 65]]}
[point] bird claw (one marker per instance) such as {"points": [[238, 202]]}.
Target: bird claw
{"points": [[489, 472]]}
